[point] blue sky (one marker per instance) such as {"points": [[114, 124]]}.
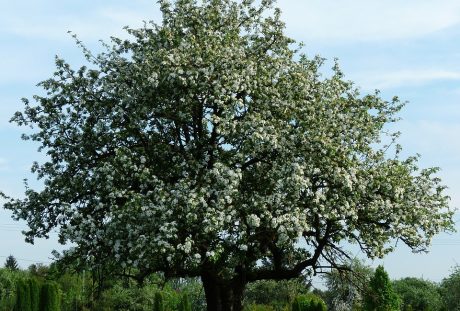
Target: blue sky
{"points": [[407, 48]]}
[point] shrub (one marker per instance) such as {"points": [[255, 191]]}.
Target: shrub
{"points": [[23, 301], [8, 281], [308, 302], [49, 297], [274, 293], [184, 304], [34, 288], [257, 307], [158, 303]]}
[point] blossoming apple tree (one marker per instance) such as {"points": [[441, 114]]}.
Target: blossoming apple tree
{"points": [[209, 146]]}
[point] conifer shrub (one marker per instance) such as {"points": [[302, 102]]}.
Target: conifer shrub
{"points": [[23, 301], [34, 288], [49, 297], [158, 303], [184, 304]]}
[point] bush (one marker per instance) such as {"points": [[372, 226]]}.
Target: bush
{"points": [[184, 304], [257, 307], [8, 281], [158, 303], [274, 293], [34, 288], [73, 294], [121, 298], [308, 302], [49, 297], [23, 301]]}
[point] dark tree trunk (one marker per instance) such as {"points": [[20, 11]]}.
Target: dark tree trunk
{"points": [[223, 295]]}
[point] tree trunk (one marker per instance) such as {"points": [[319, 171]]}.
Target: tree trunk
{"points": [[223, 295]]}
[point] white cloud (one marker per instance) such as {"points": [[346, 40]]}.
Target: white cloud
{"points": [[368, 20], [325, 20], [344, 20]]}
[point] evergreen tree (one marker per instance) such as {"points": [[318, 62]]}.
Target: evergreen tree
{"points": [[158, 303], [49, 297], [320, 306], [23, 300], [185, 303], [34, 288], [380, 295], [11, 263], [295, 305]]}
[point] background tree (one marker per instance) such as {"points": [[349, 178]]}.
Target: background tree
{"points": [[380, 295], [449, 289], [11, 263], [207, 144], [39, 270], [419, 294]]}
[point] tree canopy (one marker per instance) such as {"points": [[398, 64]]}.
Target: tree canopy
{"points": [[209, 146], [449, 290], [418, 294]]}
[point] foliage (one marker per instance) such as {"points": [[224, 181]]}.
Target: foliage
{"points": [[34, 288], [308, 302], [49, 297], [158, 303], [419, 294], [23, 298], [193, 288], [450, 292], [74, 290], [345, 287], [124, 298], [274, 293], [207, 144], [258, 307], [125, 294], [38, 270], [380, 295], [8, 281], [11, 263], [184, 304]]}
